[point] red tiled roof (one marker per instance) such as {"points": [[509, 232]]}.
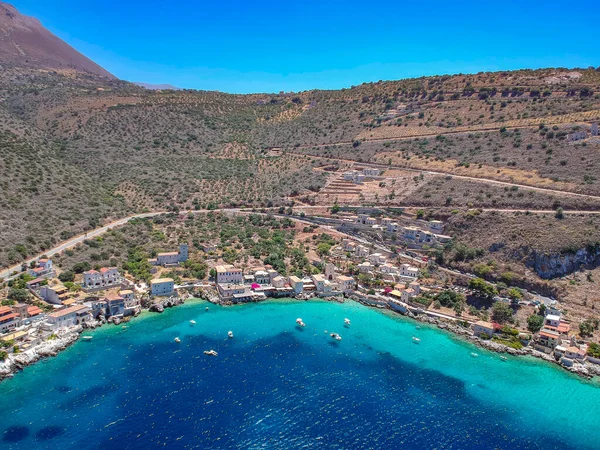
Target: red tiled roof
{"points": [[8, 317], [5, 309], [89, 272], [38, 270], [103, 270], [35, 281], [33, 311]]}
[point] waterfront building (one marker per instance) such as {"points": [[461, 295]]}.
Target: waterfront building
{"points": [[229, 274], [297, 284], [481, 327], [9, 319], [162, 287], [68, 317]]}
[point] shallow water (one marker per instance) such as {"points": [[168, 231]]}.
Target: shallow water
{"points": [[275, 385]]}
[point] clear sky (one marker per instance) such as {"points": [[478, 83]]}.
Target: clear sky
{"points": [[270, 46]]}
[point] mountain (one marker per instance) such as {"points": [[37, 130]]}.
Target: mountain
{"points": [[156, 87], [24, 42]]}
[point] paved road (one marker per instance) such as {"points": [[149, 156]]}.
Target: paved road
{"points": [[6, 272]]}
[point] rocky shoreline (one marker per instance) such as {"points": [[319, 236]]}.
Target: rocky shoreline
{"points": [[584, 369], [16, 362]]}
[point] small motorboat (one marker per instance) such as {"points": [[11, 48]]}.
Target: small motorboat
{"points": [[336, 336], [177, 340], [124, 327], [346, 321], [207, 308], [416, 339], [210, 353], [87, 338], [192, 322], [474, 355], [300, 323], [230, 334], [503, 358], [418, 327]]}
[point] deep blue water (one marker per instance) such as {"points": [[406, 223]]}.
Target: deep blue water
{"points": [[275, 386]]}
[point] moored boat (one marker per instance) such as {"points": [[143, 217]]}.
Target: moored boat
{"points": [[346, 321], [474, 355], [300, 323], [87, 338], [192, 322], [336, 336], [177, 340], [210, 352], [416, 339], [230, 334]]}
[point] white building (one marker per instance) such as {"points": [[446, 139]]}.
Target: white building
{"points": [[362, 251], [229, 274], [171, 258], [68, 317], [371, 172], [297, 284], [104, 278], [162, 286], [377, 258], [365, 267], [436, 226], [409, 271], [345, 283], [43, 268], [319, 282]]}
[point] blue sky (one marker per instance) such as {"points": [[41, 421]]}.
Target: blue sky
{"points": [[246, 46]]}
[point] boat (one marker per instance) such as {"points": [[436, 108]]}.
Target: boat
{"points": [[210, 353], [474, 355], [87, 338], [416, 339], [300, 323], [503, 358], [177, 340], [207, 308], [193, 322], [347, 321], [336, 336], [230, 334], [124, 327], [418, 327]]}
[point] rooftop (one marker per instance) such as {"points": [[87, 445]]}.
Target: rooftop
{"points": [[67, 311], [162, 280]]}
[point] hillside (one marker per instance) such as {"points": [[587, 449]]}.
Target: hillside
{"points": [[488, 140], [24, 42]]}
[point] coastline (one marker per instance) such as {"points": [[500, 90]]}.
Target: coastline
{"points": [[15, 363]]}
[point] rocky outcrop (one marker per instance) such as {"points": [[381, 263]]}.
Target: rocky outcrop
{"points": [[160, 304], [19, 361], [552, 265]]}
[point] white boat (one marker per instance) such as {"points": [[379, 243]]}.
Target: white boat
{"points": [[503, 358], [177, 340], [87, 338], [207, 308], [347, 321], [124, 327], [474, 355], [336, 336], [416, 339], [300, 323], [210, 353], [230, 334], [193, 322]]}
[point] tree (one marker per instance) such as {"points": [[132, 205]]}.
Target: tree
{"points": [[18, 295], [559, 213], [534, 323], [501, 312], [459, 307], [323, 248], [335, 209], [514, 293], [484, 288], [81, 267], [67, 275], [213, 273]]}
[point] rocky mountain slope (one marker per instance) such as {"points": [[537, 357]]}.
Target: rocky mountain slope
{"points": [[25, 42]]}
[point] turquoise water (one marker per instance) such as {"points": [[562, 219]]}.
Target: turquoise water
{"points": [[277, 386]]}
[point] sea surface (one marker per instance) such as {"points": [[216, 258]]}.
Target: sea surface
{"points": [[277, 386]]}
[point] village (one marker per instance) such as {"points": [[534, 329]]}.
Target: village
{"points": [[53, 308]]}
